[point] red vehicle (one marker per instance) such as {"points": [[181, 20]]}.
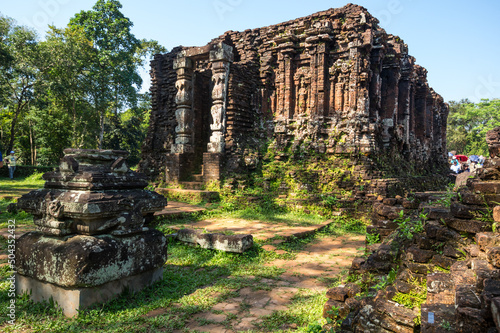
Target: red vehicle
{"points": [[461, 158]]}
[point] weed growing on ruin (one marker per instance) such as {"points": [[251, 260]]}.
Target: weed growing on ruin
{"points": [[372, 239], [446, 325], [448, 196], [335, 319], [415, 298], [407, 227], [387, 280]]}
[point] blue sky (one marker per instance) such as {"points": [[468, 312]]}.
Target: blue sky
{"points": [[457, 41]]}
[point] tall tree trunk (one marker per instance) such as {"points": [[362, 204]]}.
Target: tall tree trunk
{"points": [[101, 132], [19, 107], [32, 152]]}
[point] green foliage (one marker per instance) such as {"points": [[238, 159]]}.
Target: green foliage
{"points": [[17, 77], [448, 196], [387, 280], [407, 227], [446, 325], [468, 123], [415, 298], [83, 76], [372, 239]]}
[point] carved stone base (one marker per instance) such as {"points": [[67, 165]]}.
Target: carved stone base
{"points": [[71, 300]]}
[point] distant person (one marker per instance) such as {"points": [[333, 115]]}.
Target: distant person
{"points": [[1, 160], [455, 167], [481, 160], [11, 161], [454, 160]]}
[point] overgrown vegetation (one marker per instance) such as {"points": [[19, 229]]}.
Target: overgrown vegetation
{"points": [[468, 123], [194, 281]]}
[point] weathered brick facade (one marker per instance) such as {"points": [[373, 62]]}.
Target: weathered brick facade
{"points": [[330, 83]]}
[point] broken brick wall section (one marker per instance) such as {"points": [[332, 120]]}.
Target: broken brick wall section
{"points": [[437, 268], [330, 83]]}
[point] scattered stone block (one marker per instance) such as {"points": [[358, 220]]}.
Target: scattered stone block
{"points": [[439, 232], [495, 311], [486, 240], [216, 241], [337, 294], [442, 261], [357, 263], [390, 201], [493, 141], [489, 187], [467, 211], [343, 309], [466, 296], [436, 213], [434, 316], [461, 274], [416, 254], [470, 226], [470, 320], [490, 291], [494, 256], [496, 214]]}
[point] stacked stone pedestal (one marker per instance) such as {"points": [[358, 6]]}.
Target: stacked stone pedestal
{"points": [[93, 240]]}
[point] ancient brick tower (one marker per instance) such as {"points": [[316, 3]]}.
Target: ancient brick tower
{"points": [[333, 83]]}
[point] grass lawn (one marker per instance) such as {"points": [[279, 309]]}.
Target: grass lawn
{"points": [[20, 186], [195, 280]]}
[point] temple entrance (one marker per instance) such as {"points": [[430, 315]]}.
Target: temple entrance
{"points": [[202, 88], [200, 114]]}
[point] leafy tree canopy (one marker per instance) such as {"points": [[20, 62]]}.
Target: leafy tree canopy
{"points": [[468, 123]]}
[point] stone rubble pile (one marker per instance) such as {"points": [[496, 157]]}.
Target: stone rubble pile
{"points": [[456, 254]]}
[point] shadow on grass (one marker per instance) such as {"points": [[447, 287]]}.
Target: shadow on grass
{"points": [[194, 280]]}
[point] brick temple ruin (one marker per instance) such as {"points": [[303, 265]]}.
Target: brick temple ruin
{"points": [[330, 83]]}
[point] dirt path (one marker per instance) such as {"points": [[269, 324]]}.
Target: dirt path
{"points": [[313, 271]]}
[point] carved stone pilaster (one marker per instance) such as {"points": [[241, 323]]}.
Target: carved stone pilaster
{"points": [[221, 58], [184, 101]]}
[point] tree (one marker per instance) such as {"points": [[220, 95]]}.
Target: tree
{"points": [[18, 73], [65, 62], [128, 129], [468, 123], [117, 56]]}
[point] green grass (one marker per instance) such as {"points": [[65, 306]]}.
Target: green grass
{"points": [[19, 186]]}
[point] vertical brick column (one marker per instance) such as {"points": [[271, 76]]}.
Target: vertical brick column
{"points": [[221, 58], [184, 100], [178, 167], [212, 166]]}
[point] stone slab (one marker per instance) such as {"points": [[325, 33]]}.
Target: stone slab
{"points": [[222, 242], [73, 300], [470, 226]]}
